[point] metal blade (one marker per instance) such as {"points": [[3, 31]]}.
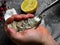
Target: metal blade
{"points": [[51, 5]]}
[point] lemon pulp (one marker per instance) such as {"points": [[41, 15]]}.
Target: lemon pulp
{"points": [[29, 6]]}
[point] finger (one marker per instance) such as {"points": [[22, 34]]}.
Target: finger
{"points": [[11, 32], [9, 20], [18, 17], [14, 35], [27, 16], [30, 15], [23, 16]]}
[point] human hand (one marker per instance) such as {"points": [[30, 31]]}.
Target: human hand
{"points": [[39, 35]]}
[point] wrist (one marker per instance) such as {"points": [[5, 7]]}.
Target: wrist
{"points": [[48, 40]]}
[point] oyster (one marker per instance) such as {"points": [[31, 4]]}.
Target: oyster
{"points": [[24, 24]]}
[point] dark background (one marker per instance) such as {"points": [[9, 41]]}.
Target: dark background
{"points": [[52, 19]]}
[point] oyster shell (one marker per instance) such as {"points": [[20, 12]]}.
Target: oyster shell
{"points": [[24, 24]]}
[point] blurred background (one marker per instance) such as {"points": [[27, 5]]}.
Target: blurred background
{"points": [[51, 20]]}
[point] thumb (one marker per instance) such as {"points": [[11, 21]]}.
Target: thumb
{"points": [[11, 32], [43, 29], [15, 35]]}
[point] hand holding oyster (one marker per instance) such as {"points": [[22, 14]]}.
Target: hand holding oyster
{"points": [[21, 22]]}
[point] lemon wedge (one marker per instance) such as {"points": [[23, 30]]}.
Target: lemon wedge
{"points": [[29, 6]]}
